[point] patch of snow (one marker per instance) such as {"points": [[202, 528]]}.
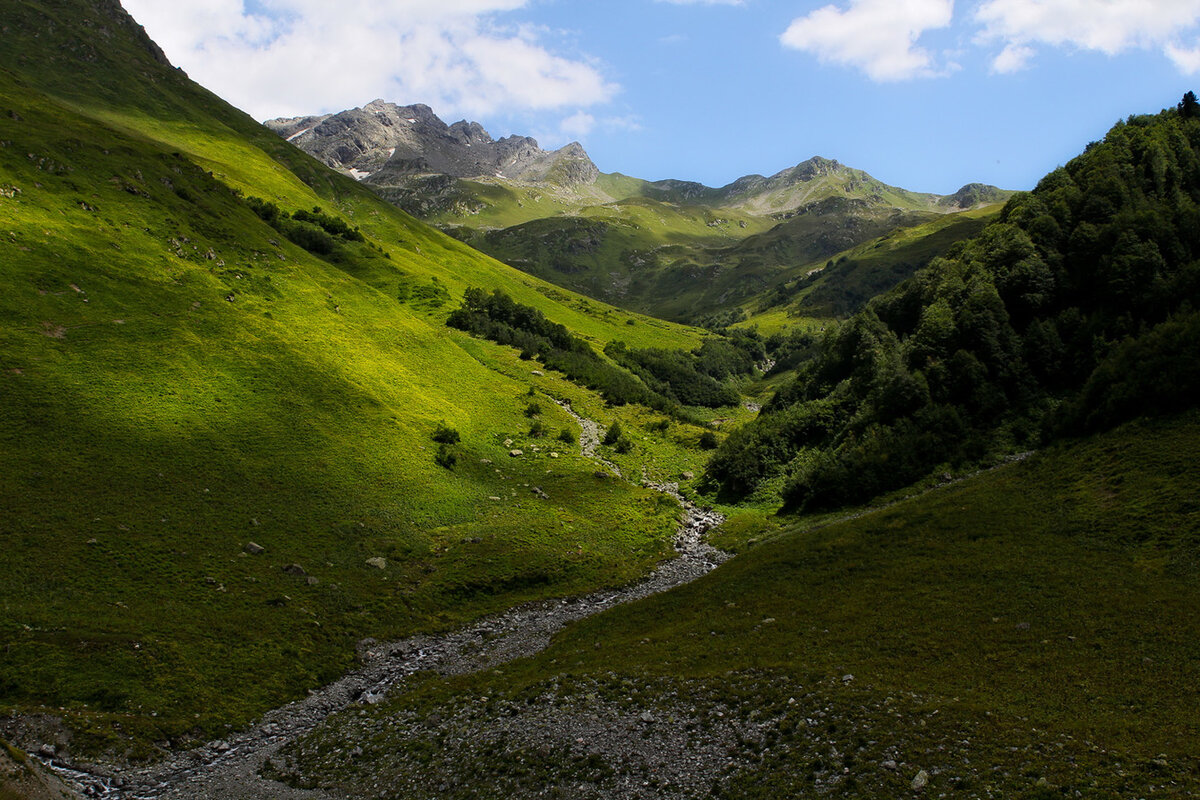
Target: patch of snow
{"points": [[295, 136], [358, 175], [412, 122], [391, 152]]}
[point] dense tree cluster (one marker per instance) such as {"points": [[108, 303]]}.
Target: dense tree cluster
{"points": [[664, 380], [1075, 311], [314, 230]]}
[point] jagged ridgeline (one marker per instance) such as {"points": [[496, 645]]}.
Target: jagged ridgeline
{"points": [[1073, 312]]}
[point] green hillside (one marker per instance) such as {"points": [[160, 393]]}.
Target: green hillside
{"points": [[1026, 633], [180, 379], [1073, 311]]}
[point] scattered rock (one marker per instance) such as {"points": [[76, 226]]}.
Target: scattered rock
{"points": [[378, 562], [312, 580], [294, 569], [890, 765], [516, 453], [920, 781], [254, 549]]}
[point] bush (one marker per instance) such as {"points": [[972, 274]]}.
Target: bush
{"points": [[537, 430], [624, 445], [612, 434], [533, 409], [445, 434], [566, 436], [446, 457], [708, 441]]}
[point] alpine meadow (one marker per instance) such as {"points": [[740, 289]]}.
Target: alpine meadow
{"points": [[359, 455]]}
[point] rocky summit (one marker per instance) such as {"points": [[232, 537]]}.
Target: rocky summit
{"points": [[383, 143]]}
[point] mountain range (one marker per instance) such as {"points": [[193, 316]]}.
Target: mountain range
{"points": [[675, 248]]}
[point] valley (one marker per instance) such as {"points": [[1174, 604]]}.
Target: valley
{"points": [[364, 456]]}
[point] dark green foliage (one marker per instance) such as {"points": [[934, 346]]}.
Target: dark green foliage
{"points": [[624, 445], [538, 429], [444, 434], [446, 457], [566, 436], [966, 359], [674, 374], [1158, 373], [708, 441], [613, 434], [313, 230], [661, 379], [533, 409], [1189, 106]]}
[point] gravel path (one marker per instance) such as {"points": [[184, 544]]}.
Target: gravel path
{"points": [[229, 768]]}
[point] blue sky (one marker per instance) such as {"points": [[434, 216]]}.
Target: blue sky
{"points": [[924, 94]]}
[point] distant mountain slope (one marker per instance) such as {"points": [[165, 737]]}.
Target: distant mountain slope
{"points": [[672, 248], [210, 340]]}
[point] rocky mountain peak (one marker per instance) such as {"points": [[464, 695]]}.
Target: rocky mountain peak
{"points": [[385, 144]]}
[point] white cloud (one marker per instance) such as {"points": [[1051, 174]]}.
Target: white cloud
{"points": [[309, 56], [578, 125], [1107, 26], [1013, 58], [1186, 59], [704, 2], [876, 36]]}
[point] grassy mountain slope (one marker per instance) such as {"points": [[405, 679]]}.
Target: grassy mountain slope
{"points": [[180, 379], [1026, 633], [843, 284]]}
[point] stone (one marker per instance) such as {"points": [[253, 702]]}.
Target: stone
{"points": [[312, 580], [378, 562], [889, 765], [920, 781], [516, 453], [254, 549], [688, 476], [294, 569]]}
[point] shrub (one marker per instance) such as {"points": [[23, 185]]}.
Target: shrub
{"points": [[537, 430], [446, 457], [612, 434], [566, 436], [624, 445], [445, 434], [708, 441], [533, 409]]}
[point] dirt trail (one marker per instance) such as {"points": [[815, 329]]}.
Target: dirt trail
{"points": [[230, 768]]}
